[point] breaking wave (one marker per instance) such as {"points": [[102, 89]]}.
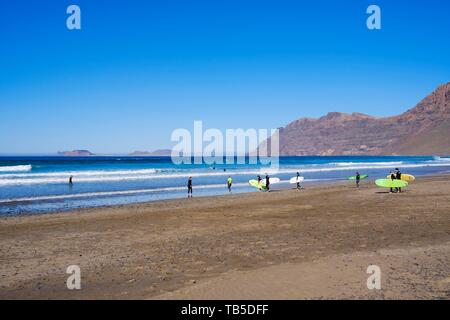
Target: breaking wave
{"points": [[16, 168], [148, 174]]}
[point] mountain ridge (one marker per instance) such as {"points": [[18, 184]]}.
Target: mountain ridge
{"points": [[421, 130]]}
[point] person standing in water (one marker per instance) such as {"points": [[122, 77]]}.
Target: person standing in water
{"points": [[298, 181], [229, 183], [189, 185], [267, 182], [70, 180], [358, 179]]}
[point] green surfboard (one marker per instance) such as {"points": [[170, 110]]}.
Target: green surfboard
{"points": [[256, 184], [388, 183], [362, 176]]}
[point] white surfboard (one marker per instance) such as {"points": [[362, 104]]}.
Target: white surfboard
{"points": [[271, 180], [295, 179]]}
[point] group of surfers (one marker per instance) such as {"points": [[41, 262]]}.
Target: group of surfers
{"points": [[230, 183], [394, 175]]}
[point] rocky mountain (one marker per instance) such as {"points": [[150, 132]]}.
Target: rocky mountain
{"points": [[423, 130], [75, 153], [156, 153]]}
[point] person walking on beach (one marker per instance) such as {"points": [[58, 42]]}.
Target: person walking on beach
{"points": [[358, 178], [189, 185], [393, 177], [298, 182], [267, 182], [229, 183], [259, 181], [398, 176]]}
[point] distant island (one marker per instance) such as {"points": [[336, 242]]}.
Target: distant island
{"points": [[87, 153], [156, 153], [76, 153]]}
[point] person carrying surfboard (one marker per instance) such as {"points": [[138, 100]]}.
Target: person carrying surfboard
{"points": [[398, 176], [189, 185], [229, 183], [358, 178], [259, 181], [267, 182], [298, 181], [393, 177]]}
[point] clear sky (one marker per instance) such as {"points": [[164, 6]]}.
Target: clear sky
{"points": [[139, 69]]}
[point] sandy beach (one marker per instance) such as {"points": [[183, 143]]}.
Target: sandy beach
{"points": [[314, 243]]}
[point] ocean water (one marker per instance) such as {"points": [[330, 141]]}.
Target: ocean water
{"points": [[30, 185]]}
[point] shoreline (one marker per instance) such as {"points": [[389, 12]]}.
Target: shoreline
{"points": [[189, 248], [310, 184]]}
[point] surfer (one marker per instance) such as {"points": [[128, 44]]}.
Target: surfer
{"points": [[267, 182], [298, 181], [229, 183], [259, 181], [358, 178], [398, 176], [70, 180], [393, 177], [189, 185]]}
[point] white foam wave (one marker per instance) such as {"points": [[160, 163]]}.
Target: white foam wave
{"points": [[344, 164], [15, 168], [439, 159], [81, 173], [111, 193], [148, 174]]}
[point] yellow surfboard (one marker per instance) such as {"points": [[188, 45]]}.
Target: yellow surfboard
{"points": [[405, 177]]}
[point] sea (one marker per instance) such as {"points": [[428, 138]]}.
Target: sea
{"points": [[36, 185]]}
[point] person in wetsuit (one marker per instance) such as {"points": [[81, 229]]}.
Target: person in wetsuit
{"points": [[229, 183], [189, 185], [398, 176], [298, 182], [70, 180], [358, 179], [393, 177], [267, 182]]}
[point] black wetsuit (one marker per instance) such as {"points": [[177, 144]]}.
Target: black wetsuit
{"points": [[298, 182], [393, 177], [358, 178], [189, 185], [267, 183], [398, 176]]}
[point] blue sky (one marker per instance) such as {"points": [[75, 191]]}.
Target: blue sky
{"points": [[139, 69]]}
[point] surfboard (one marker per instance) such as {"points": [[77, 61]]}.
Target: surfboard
{"points": [[405, 177], [388, 183], [271, 180], [362, 176], [256, 184], [295, 179]]}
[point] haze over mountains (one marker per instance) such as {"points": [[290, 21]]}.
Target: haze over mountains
{"points": [[423, 130]]}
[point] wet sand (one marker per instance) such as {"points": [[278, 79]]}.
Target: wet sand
{"points": [[312, 243]]}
